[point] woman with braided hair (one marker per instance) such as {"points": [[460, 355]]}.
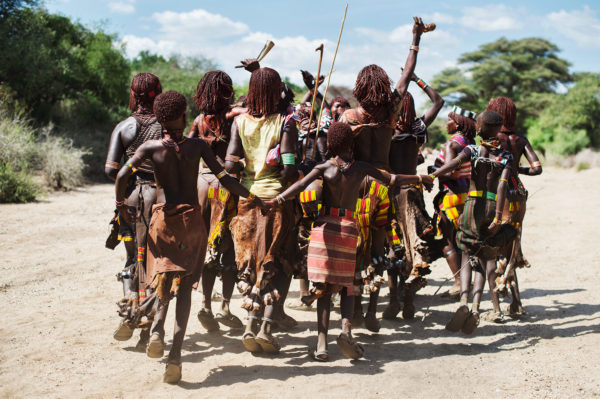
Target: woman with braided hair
{"points": [[480, 232], [213, 98], [413, 221], [260, 239], [454, 187], [126, 138], [373, 123], [515, 207]]}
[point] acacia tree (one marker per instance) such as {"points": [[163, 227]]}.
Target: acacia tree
{"points": [[524, 70]]}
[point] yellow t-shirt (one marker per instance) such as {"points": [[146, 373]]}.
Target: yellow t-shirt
{"points": [[258, 136]]}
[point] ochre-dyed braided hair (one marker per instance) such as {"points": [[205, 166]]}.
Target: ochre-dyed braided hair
{"points": [[264, 92], [339, 138], [214, 93], [407, 114], [465, 125], [507, 109], [373, 92], [342, 100], [169, 106], [144, 89]]}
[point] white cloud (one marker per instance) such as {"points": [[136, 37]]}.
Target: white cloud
{"points": [[198, 25], [227, 42], [492, 17], [582, 26], [122, 7]]}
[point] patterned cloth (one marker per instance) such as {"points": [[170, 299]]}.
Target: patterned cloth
{"points": [[332, 250]]}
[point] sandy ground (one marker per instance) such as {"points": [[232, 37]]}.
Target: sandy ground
{"points": [[57, 295]]}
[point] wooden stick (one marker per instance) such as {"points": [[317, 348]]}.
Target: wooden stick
{"points": [[312, 105], [329, 79]]}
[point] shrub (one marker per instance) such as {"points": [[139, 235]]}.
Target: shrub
{"points": [[16, 186]]}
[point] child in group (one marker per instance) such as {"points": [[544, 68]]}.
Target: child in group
{"points": [[333, 243]]}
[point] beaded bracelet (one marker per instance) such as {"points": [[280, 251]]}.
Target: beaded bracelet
{"points": [[422, 84], [496, 220], [120, 203], [251, 197], [432, 176]]}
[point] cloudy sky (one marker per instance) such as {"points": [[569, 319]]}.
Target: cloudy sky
{"points": [[375, 31]]}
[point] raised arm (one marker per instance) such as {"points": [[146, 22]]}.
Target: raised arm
{"points": [[436, 99], [116, 149], [289, 138], [411, 61], [235, 151], [534, 162]]}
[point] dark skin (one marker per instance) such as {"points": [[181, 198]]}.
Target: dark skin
{"points": [[519, 146], [338, 109], [341, 190], [200, 128], [176, 175], [404, 155], [121, 138], [375, 149], [490, 183], [451, 149]]}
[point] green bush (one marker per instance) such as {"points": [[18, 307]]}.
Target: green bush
{"points": [[16, 186]]}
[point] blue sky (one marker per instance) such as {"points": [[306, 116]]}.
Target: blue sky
{"points": [[375, 31]]}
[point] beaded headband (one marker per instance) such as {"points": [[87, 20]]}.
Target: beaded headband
{"points": [[464, 112]]}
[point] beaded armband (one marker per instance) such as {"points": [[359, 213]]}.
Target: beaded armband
{"points": [[288, 158]]}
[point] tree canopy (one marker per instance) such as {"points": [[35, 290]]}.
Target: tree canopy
{"points": [[519, 69]]}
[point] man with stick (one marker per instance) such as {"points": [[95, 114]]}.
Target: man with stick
{"points": [[373, 124]]}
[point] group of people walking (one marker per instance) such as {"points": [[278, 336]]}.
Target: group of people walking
{"points": [[260, 192]]}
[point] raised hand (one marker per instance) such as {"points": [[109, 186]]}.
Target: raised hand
{"points": [[308, 79], [250, 64]]}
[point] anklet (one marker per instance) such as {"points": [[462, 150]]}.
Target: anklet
{"points": [[267, 320]]}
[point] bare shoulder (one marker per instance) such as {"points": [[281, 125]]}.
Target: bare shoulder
{"points": [[126, 125]]}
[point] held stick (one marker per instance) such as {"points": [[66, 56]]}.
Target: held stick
{"points": [[312, 105], [265, 50], [329, 79]]}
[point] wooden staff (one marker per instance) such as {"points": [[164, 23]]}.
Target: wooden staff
{"points": [[329, 79], [312, 105]]}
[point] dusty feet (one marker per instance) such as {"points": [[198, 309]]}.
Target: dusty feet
{"points": [[350, 348], [207, 320], [515, 310], [494, 317], [297, 304], [155, 347], [392, 310], [319, 355], [267, 343], [228, 319], [124, 331], [458, 320], [371, 322], [143, 341], [471, 323], [172, 373]]}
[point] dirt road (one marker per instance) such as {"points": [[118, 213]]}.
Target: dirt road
{"points": [[57, 295]]}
